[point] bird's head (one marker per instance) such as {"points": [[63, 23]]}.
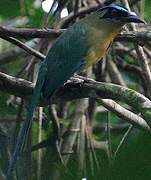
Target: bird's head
{"points": [[117, 14]]}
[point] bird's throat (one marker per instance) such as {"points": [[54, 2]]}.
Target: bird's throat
{"points": [[99, 42]]}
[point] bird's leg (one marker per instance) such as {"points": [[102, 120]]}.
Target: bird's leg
{"points": [[74, 79]]}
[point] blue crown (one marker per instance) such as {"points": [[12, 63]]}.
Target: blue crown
{"points": [[113, 6]]}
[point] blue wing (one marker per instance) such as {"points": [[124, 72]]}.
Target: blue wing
{"points": [[57, 75], [66, 56]]}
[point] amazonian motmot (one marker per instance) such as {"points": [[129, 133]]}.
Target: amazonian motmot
{"points": [[82, 45]]}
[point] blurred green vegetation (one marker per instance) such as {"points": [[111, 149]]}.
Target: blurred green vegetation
{"points": [[9, 9], [147, 11]]}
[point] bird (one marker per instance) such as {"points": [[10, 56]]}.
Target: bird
{"points": [[83, 44]]}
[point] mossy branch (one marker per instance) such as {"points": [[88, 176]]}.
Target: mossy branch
{"points": [[80, 87]]}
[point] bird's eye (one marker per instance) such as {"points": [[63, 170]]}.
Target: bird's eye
{"points": [[113, 13]]}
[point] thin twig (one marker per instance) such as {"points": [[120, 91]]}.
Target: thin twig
{"points": [[39, 158], [109, 136], [23, 46], [123, 140]]}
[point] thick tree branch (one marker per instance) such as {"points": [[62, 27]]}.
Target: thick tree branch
{"points": [[139, 37], [81, 87], [135, 36], [30, 32]]}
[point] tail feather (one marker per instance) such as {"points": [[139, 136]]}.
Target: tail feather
{"points": [[27, 124]]}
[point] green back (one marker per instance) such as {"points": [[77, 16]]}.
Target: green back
{"points": [[65, 57]]}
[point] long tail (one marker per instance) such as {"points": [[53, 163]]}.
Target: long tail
{"points": [[27, 123]]}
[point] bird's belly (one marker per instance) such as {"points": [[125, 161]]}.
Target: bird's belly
{"points": [[96, 53]]}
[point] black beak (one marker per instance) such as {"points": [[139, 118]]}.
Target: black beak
{"points": [[133, 18]]}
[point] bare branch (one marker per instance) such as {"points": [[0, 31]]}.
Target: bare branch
{"points": [[135, 36], [12, 54], [124, 138], [124, 113], [138, 37], [145, 67], [30, 32], [23, 46]]}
